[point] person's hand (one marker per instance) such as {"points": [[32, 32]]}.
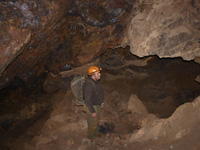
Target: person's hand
{"points": [[102, 105], [94, 114]]}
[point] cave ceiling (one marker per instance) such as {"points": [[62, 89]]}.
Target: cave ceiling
{"points": [[43, 36]]}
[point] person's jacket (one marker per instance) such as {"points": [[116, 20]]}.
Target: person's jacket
{"points": [[92, 93]]}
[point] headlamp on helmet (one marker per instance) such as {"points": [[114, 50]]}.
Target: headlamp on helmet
{"points": [[93, 70]]}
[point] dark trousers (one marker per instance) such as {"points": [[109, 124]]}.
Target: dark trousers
{"points": [[93, 122]]}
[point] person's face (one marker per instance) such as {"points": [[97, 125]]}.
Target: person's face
{"points": [[97, 76]]}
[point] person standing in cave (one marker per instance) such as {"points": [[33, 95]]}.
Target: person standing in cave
{"points": [[93, 100]]}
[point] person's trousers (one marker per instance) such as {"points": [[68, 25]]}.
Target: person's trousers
{"points": [[93, 122]]}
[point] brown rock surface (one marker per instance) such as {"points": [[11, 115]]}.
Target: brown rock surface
{"points": [[59, 35], [165, 28], [135, 106], [43, 44], [181, 127], [56, 35]]}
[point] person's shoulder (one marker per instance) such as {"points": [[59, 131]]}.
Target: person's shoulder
{"points": [[89, 81]]}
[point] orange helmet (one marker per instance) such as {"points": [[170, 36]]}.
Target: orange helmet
{"points": [[93, 69]]}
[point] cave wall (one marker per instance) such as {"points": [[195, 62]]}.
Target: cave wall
{"points": [[38, 37], [52, 36], [167, 28]]}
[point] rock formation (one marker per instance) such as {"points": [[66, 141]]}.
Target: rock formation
{"points": [[165, 28], [53, 36], [44, 43]]}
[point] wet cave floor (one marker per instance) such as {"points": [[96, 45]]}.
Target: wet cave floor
{"points": [[161, 84]]}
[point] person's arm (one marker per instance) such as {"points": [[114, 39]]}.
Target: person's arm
{"points": [[102, 105], [94, 114], [88, 92]]}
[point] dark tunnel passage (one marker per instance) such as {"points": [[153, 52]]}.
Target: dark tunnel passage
{"points": [[161, 84]]}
